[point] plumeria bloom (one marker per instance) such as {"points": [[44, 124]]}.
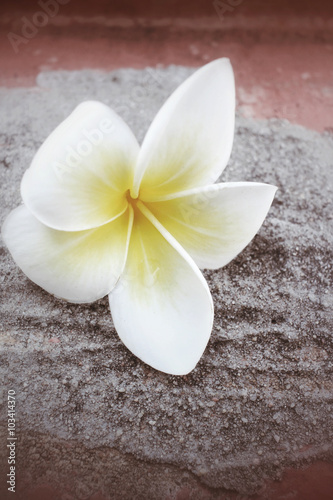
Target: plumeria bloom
{"points": [[102, 216]]}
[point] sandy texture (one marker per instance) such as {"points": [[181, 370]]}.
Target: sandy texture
{"points": [[91, 415]]}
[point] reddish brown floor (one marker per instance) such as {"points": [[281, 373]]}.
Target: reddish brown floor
{"points": [[282, 56], [312, 483]]}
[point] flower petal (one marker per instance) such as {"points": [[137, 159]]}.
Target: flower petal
{"points": [[80, 266], [215, 223], [78, 177], [162, 308], [190, 140]]}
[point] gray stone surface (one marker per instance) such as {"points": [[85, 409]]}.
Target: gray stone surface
{"points": [[92, 415]]}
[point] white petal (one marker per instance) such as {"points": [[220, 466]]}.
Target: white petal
{"points": [[78, 177], [80, 266], [161, 307], [215, 223], [190, 140]]}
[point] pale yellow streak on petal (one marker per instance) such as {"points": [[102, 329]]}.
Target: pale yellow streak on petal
{"points": [[162, 308], [182, 163], [149, 260], [215, 223], [80, 266]]}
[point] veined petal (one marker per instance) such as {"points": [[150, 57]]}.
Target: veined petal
{"points": [[80, 266], [213, 224], [189, 142], [78, 177], [162, 308]]}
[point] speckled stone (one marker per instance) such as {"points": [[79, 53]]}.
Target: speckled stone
{"points": [[259, 399]]}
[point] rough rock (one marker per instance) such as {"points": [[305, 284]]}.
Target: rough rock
{"points": [[92, 416]]}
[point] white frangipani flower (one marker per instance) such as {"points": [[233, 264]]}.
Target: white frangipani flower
{"points": [[103, 216]]}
